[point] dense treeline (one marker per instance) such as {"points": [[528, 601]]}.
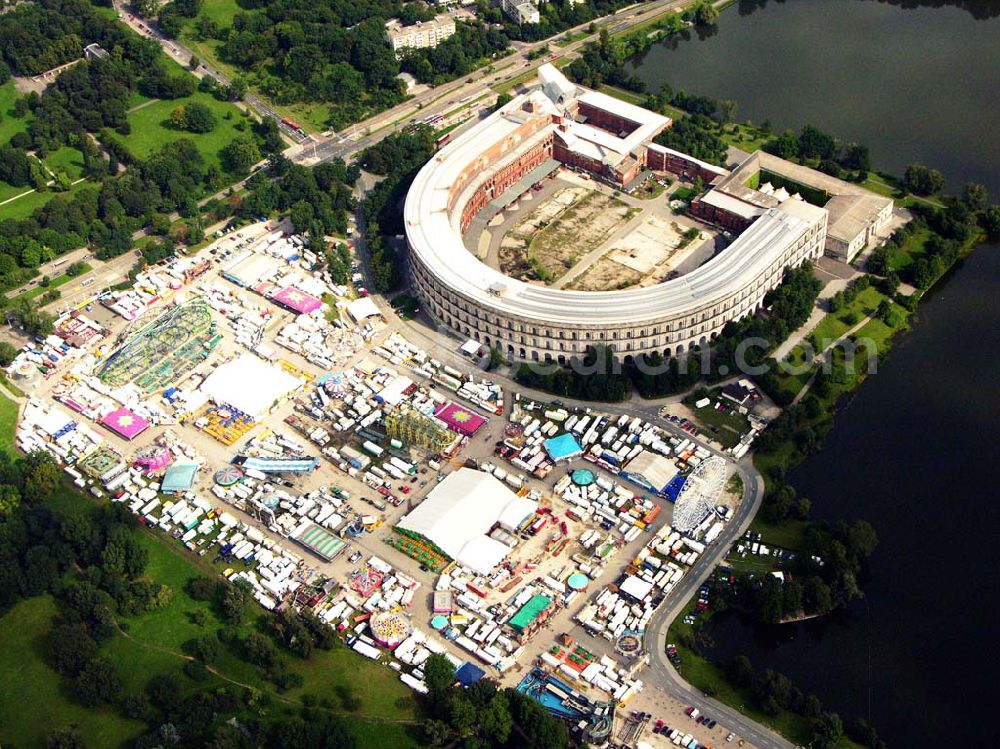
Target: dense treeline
{"points": [[945, 231], [813, 147], [82, 107], [317, 200], [457, 55], [603, 62], [399, 158], [35, 37], [336, 53], [95, 93], [483, 715], [743, 343], [695, 136], [822, 576]]}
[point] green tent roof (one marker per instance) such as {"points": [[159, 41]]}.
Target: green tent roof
{"points": [[529, 612]]}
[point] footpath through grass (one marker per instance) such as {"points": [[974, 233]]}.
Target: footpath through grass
{"points": [[151, 128]]}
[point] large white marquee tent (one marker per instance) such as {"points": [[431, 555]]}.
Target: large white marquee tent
{"points": [[249, 384], [461, 510]]}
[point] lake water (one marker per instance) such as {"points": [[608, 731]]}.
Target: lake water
{"points": [[914, 84], [911, 451]]}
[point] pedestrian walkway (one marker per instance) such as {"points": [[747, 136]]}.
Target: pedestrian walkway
{"points": [[821, 358]]}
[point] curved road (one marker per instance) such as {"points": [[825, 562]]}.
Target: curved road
{"points": [[656, 634]]}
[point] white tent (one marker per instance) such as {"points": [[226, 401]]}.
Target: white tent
{"points": [[482, 554], [636, 587], [392, 393], [655, 470], [249, 384], [363, 308], [515, 513], [457, 515]]}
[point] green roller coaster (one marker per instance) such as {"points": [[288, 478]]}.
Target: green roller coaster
{"points": [[163, 351]]}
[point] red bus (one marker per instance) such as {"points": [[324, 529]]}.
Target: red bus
{"points": [[291, 123], [443, 139]]}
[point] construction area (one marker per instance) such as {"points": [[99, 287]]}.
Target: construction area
{"points": [[572, 233], [560, 231], [647, 254]]}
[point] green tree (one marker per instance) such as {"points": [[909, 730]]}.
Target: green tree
{"points": [[740, 672], [198, 118], [164, 692], [991, 222], [495, 721], [240, 155], [827, 730], [65, 738], [975, 197], [436, 732], [98, 683], [439, 674], [706, 14], [178, 117], [71, 649], [727, 110], [41, 476], [7, 353], [234, 599], [206, 649], [923, 180]]}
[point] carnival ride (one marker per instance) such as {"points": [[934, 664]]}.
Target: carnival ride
{"points": [[701, 491], [165, 350]]}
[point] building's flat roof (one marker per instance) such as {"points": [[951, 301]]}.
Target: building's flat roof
{"points": [[850, 215], [851, 208], [732, 205], [511, 194]]}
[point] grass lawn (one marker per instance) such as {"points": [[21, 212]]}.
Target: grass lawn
{"points": [[220, 11], [833, 326], [54, 283], [517, 80], [787, 535], [172, 626], [66, 159], [151, 127], [24, 207], [880, 333], [724, 426], [744, 137], [649, 189], [9, 124], [311, 116], [40, 701], [8, 190], [8, 420], [911, 251], [11, 388], [570, 38]]}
